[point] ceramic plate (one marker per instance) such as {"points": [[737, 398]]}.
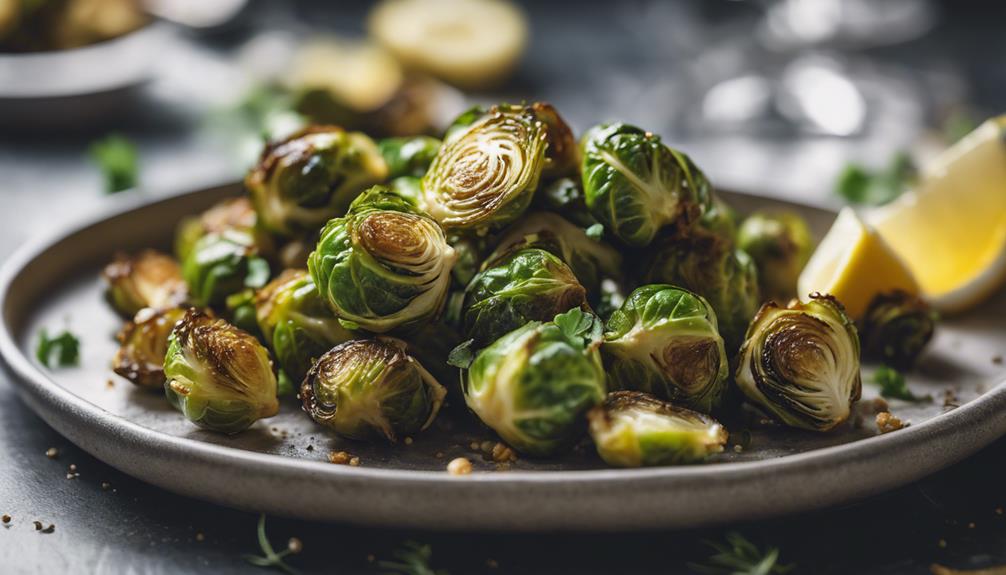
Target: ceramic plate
{"points": [[280, 465]]}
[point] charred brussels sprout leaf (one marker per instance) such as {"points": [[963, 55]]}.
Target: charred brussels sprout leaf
{"points": [[485, 174], [218, 376], [222, 264], [800, 363], [408, 156], [143, 345], [896, 328], [296, 322], [780, 244], [303, 181], [534, 385], [709, 265], [633, 429], [385, 265], [368, 388], [148, 279], [664, 341], [528, 285], [635, 185], [230, 214], [560, 156], [591, 260]]}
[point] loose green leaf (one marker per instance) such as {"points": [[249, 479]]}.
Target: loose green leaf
{"points": [[859, 185], [595, 231], [462, 355], [117, 158], [65, 346], [411, 559], [580, 326], [739, 556], [271, 559], [892, 385]]}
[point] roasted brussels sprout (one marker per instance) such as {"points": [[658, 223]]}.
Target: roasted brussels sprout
{"points": [[296, 322], [710, 266], [564, 196], [222, 264], [780, 244], [560, 156], [591, 260], [230, 214], [664, 341], [303, 181], [485, 174], [534, 385], [218, 376], [408, 156], [896, 328], [385, 265], [147, 279], [367, 388], [633, 429], [528, 285], [635, 185], [800, 363], [408, 188], [471, 252], [143, 343]]}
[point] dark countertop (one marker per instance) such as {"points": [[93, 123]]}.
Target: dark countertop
{"points": [[953, 518]]}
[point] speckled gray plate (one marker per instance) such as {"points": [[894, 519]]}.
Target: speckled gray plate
{"points": [[280, 465]]}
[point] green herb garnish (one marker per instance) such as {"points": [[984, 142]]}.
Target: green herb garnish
{"points": [[117, 158], [859, 185], [739, 556], [65, 346], [892, 385], [411, 559], [271, 559]]}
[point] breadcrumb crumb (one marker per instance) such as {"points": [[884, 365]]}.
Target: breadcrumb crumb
{"points": [[888, 422], [459, 466]]}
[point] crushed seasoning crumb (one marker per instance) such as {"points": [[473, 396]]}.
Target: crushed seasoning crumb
{"points": [[439, 455], [294, 545], [109, 384], [408, 441], [738, 448], [888, 422], [474, 445], [52, 453], [49, 529], [502, 453], [341, 458], [354, 461], [310, 448], [459, 466]]}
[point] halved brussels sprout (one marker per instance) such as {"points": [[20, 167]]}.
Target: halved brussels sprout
{"points": [[534, 385], [664, 341], [485, 175], [528, 285], [633, 429], [218, 376], [635, 185], [780, 244], [143, 344], [296, 322], [147, 279], [800, 363], [385, 265], [303, 181], [560, 156], [896, 328], [709, 265], [229, 214], [222, 264], [408, 156], [591, 260], [368, 388]]}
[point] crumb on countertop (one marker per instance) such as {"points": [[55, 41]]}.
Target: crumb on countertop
{"points": [[343, 458], [888, 422], [52, 453]]}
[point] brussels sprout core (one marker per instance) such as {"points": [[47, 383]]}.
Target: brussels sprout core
{"points": [[302, 181], [385, 265], [218, 376], [633, 429], [485, 175], [534, 384], [664, 341], [148, 279], [801, 363], [144, 341], [370, 388]]}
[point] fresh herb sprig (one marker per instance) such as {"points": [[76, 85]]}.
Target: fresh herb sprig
{"points": [[411, 558], [892, 385], [739, 556], [859, 185], [270, 558], [64, 347], [117, 158]]}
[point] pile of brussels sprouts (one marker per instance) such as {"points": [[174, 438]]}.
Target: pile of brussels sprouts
{"points": [[559, 288]]}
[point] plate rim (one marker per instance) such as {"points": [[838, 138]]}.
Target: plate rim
{"points": [[50, 401]]}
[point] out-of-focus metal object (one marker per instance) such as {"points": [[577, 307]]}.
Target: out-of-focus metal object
{"points": [[199, 14]]}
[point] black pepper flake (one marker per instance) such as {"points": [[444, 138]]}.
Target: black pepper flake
{"points": [[49, 529]]}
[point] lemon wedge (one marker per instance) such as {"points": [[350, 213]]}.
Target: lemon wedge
{"points": [[951, 230], [854, 264]]}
